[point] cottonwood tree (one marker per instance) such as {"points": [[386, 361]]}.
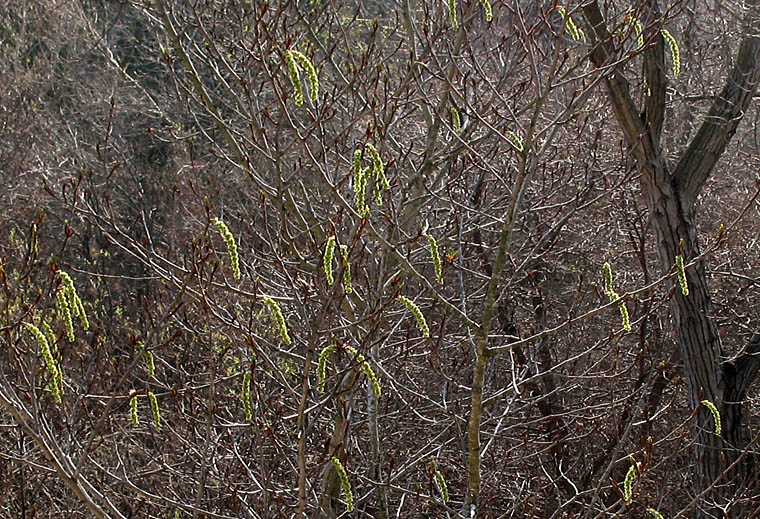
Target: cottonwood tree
{"points": [[671, 189]]}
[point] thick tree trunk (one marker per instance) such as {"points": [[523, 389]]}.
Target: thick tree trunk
{"points": [[696, 332]]}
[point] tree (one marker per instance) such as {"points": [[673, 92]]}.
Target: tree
{"points": [[671, 194]]}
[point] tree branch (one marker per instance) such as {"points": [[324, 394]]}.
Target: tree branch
{"points": [[617, 85], [699, 159], [654, 71], [746, 366]]}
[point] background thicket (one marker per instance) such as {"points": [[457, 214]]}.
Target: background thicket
{"points": [[127, 128]]}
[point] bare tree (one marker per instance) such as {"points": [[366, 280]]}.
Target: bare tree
{"points": [[671, 193]]}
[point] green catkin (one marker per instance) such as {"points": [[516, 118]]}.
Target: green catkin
{"points": [[295, 77], [72, 298], [440, 482], [609, 292], [453, 14], [456, 121], [149, 359], [436, 257], [357, 165], [360, 184], [322, 366], [277, 317], [155, 410], [149, 362], [50, 336], [487, 9], [360, 188], [52, 369], [682, 275], [65, 313], [232, 250], [377, 195], [368, 371], [581, 34], [716, 415], [637, 29], [624, 316], [133, 409], [675, 53], [328, 259], [57, 388], [80, 313], [370, 374], [654, 513], [628, 484], [575, 31], [515, 140], [607, 268], [344, 482], [378, 173], [417, 315], [311, 73], [245, 396], [347, 285]]}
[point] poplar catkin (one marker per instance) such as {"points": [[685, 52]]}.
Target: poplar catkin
{"points": [[133, 409], [440, 482], [453, 14], [637, 29], [628, 484], [716, 415], [72, 298], [368, 371], [322, 366], [378, 173], [294, 59], [232, 250], [155, 410], [625, 317], [435, 256], [487, 9], [575, 31], [456, 121], [311, 73], [65, 313], [347, 286], [654, 513], [54, 374], [607, 269], [149, 362], [675, 53], [515, 140], [245, 396], [328, 259], [344, 483], [421, 322], [681, 271], [360, 188], [277, 317], [357, 164], [148, 356], [295, 77]]}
